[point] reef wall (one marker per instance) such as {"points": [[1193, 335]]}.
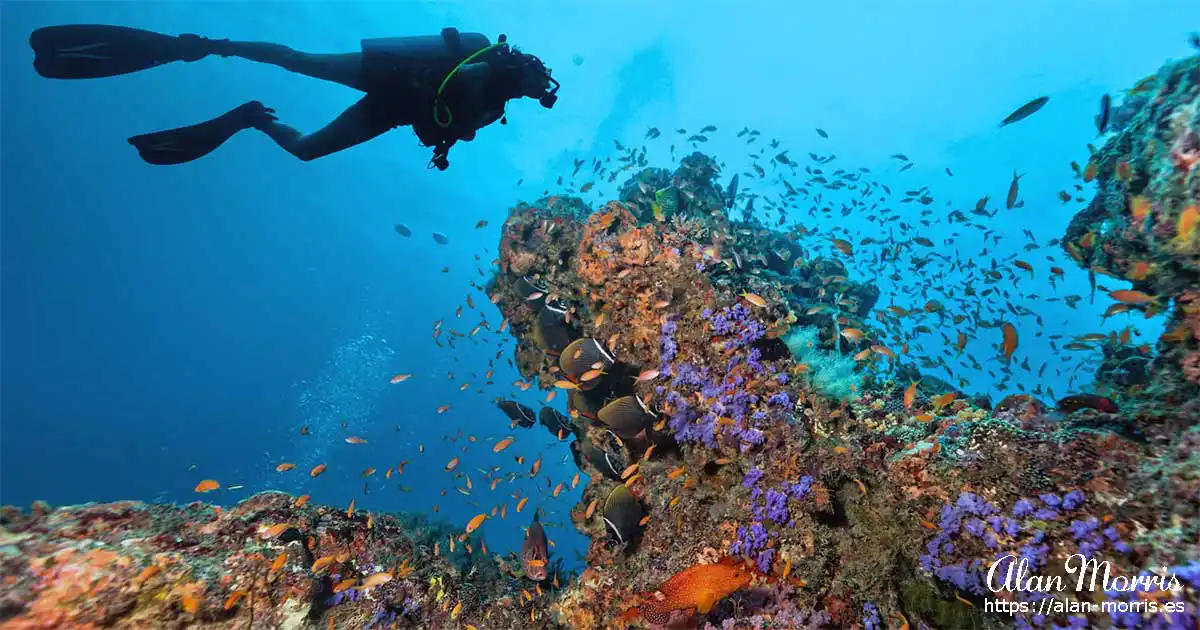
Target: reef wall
{"points": [[1141, 225]]}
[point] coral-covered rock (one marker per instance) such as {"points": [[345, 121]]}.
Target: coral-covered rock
{"points": [[265, 563], [751, 452], [1142, 224], [731, 397]]}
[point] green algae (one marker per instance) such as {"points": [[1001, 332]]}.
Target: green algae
{"points": [[921, 600]]}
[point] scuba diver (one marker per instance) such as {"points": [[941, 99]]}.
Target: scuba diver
{"points": [[445, 86]]}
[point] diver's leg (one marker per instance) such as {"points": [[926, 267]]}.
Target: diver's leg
{"points": [[363, 121], [343, 68]]}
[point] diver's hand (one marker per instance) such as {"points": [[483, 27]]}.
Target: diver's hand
{"points": [[193, 47], [255, 114]]}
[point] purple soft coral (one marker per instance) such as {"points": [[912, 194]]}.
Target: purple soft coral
{"points": [[776, 506], [669, 348], [752, 477], [871, 617], [736, 321], [801, 489], [764, 560], [780, 399]]}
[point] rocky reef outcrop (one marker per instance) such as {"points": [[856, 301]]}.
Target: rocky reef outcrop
{"points": [[273, 561], [1141, 226], [865, 503]]}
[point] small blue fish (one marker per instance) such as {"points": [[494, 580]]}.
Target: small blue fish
{"points": [[440, 238]]}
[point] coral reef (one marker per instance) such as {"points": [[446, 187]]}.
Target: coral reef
{"points": [[1142, 224], [775, 430], [758, 456], [266, 563]]}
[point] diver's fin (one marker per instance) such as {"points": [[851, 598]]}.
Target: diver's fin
{"points": [[88, 51], [177, 146]]}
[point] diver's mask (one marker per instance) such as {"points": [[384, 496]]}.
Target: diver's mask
{"points": [[536, 81], [550, 96], [533, 77]]}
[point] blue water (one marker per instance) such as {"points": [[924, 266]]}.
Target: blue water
{"points": [[163, 325]]}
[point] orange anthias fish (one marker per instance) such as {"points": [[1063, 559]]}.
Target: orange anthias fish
{"points": [[944, 399], [697, 589], [843, 246], [1010, 341], [754, 299], [853, 334], [1188, 220], [1131, 297], [1139, 208], [910, 395], [534, 553], [476, 522]]}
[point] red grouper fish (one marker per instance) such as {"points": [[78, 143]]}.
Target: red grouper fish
{"points": [[534, 552], [695, 589]]}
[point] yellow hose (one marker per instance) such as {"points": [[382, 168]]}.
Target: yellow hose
{"points": [[437, 99]]}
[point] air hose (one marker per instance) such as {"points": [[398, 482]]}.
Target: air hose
{"points": [[437, 99]]}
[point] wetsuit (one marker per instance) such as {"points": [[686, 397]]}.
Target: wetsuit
{"points": [[400, 76], [421, 82]]}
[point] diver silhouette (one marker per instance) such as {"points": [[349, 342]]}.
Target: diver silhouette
{"points": [[445, 86]]}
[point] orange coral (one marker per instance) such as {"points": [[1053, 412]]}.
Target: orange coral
{"points": [[68, 581], [595, 263], [637, 246]]}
